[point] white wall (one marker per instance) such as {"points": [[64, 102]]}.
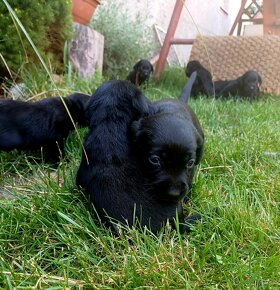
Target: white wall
{"points": [[206, 18]]}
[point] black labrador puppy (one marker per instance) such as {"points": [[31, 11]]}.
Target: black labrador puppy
{"points": [[182, 128], [140, 156], [203, 84], [168, 144], [141, 72], [246, 86], [45, 123]]}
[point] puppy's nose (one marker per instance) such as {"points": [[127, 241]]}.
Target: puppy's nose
{"points": [[175, 192], [178, 189]]}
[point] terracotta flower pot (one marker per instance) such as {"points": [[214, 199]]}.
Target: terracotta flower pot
{"points": [[82, 10]]}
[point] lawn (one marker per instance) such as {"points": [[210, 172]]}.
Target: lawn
{"points": [[50, 238]]}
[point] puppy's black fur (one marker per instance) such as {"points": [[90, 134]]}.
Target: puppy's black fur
{"points": [[141, 72], [45, 123], [203, 84], [246, 86], [139, 171], [108, 172]]}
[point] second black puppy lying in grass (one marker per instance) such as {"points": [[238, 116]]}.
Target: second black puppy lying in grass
{"points": [[141, 72], [246, 86], [45, 123], [142, 178]]}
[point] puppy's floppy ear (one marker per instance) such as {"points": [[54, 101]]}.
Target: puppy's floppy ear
{"points": [[152, 68], [136, 66], [135, 130], [199, 148], [259, 79], [138, 136], [241, 80]]}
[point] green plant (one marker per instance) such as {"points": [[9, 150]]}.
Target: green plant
{"points": [[48, 23], [126, 39]]}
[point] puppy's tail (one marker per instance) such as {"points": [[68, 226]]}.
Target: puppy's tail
{"points": [[186, 92]]}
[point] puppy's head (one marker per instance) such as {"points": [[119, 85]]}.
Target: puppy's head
{"points": [[144, 69], [251, 82], [78, 103], [192, 66], [168, 147]]}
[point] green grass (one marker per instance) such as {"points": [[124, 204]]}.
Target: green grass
{"points": [[49, 238]]}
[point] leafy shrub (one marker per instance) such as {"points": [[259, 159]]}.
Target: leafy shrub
{"points": [[48, 24], [126, 40]]}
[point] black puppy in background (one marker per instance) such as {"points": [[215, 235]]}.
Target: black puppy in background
{"points": [[141, 72], [140, 156], [203, 84], [246, 86], [44, 123]]}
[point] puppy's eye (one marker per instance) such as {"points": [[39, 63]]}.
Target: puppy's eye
{"points": [[190, 163], [154, 160]]}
